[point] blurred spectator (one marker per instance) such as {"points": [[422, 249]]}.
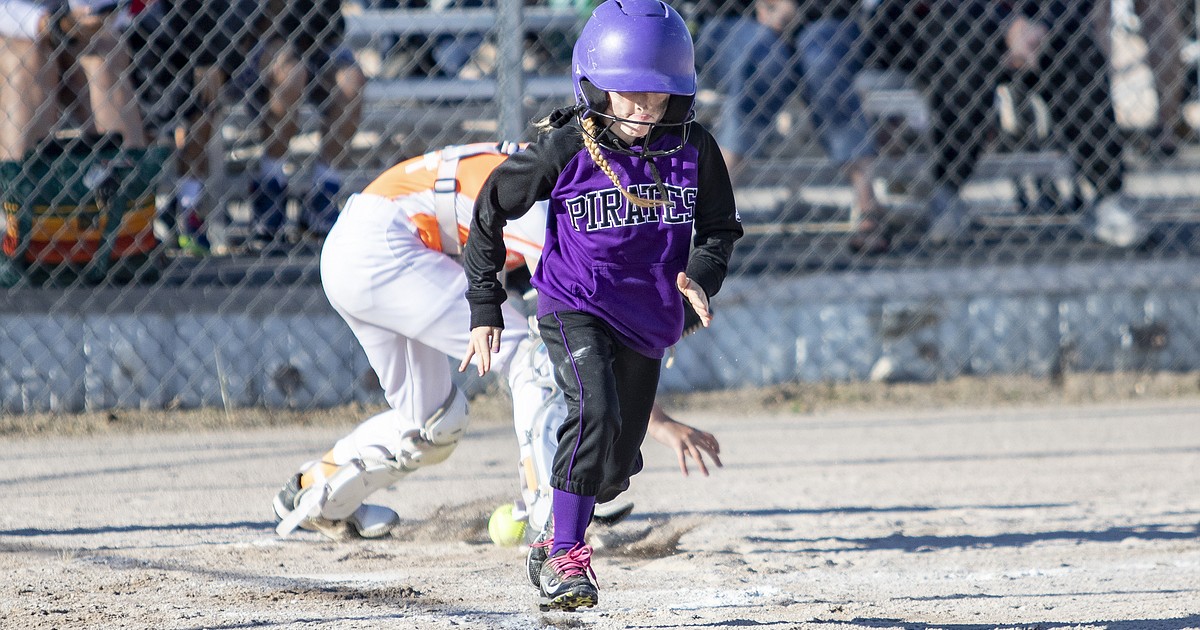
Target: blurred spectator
{"points": [[1161, 25], [302, 59], [63, 61], [185, 52], [756, 53], [959, 49]]}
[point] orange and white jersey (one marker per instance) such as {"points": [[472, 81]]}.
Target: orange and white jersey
{"points": [[437, 192]]}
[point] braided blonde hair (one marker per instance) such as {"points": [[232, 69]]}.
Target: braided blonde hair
{"points": [[589, 141]]}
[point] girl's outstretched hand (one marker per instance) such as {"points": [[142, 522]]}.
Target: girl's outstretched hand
{"points": [[485, 340], [695, 296]]}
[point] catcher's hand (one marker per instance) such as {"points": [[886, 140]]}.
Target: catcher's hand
{"points": [[686, 441]]}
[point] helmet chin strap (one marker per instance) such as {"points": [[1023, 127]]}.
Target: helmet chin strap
{"points": [[645, 153], [658, 182]]}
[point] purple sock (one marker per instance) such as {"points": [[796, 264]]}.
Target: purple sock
{"points": [[571, 515]]}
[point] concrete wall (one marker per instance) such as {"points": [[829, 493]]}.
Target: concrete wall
{"points": [[165, 347]]}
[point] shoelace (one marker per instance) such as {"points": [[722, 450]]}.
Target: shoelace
{"points": [[545, 544], [577, 561]]}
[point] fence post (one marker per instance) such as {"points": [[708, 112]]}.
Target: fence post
{"points": [[510, 73]]}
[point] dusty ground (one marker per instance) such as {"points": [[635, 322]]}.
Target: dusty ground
{"points": [[967, 505], [1075, 389]]}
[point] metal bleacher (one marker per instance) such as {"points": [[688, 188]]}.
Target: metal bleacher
{"points": [[407, 115], [794, 201]]}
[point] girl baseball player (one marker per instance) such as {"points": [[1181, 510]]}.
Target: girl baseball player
{"points": [[629, 176], [389, 271]]}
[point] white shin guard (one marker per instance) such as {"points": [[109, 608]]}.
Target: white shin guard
{"points": [[538, 444], [538, 411], [340, 496], [446, 425], [350, 486]]}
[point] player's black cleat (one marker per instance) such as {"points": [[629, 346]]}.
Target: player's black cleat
{"points": [[611, 513], [539, 550], [285, 500], [566, 581]]}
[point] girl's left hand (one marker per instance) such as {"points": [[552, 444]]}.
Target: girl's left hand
{"points": [[695, 296]]}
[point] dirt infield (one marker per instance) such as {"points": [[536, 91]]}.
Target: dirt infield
{"points": [[834, 510]]}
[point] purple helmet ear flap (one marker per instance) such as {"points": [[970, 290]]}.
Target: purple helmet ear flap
{"points": [[679, 110], [593, 97]]}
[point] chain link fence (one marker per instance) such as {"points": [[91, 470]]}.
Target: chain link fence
{"points": [[930, 188]]}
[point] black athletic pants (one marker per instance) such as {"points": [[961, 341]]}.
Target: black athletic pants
{"points": [[609, 389]]}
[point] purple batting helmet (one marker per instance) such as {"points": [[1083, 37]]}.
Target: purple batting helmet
{"points": [[636, 46]]}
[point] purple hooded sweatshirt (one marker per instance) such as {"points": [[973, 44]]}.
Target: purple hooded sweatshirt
{"points": [[604, 255]]}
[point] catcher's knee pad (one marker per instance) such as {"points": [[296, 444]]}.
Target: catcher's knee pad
{"points": [[447, 424], [436, 437], [531, 366]]}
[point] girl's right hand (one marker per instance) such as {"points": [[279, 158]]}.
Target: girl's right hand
{"points": [[484, 341], [695, 296]]}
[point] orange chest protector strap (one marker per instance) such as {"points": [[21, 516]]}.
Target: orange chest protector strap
{"points": [[446, 188]]}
